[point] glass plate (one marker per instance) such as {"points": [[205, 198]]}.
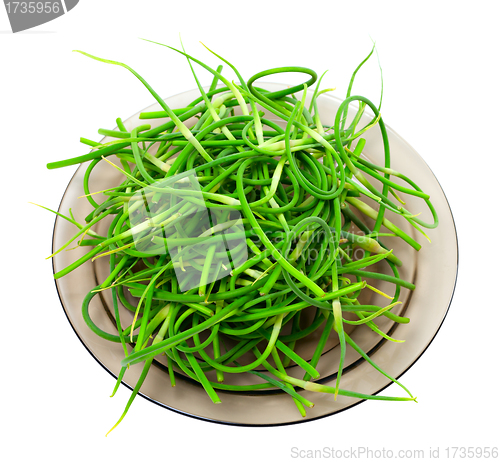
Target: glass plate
{"points": [[433, 270]]}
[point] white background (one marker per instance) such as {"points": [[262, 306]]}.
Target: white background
{"points": [[441, 94]]}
